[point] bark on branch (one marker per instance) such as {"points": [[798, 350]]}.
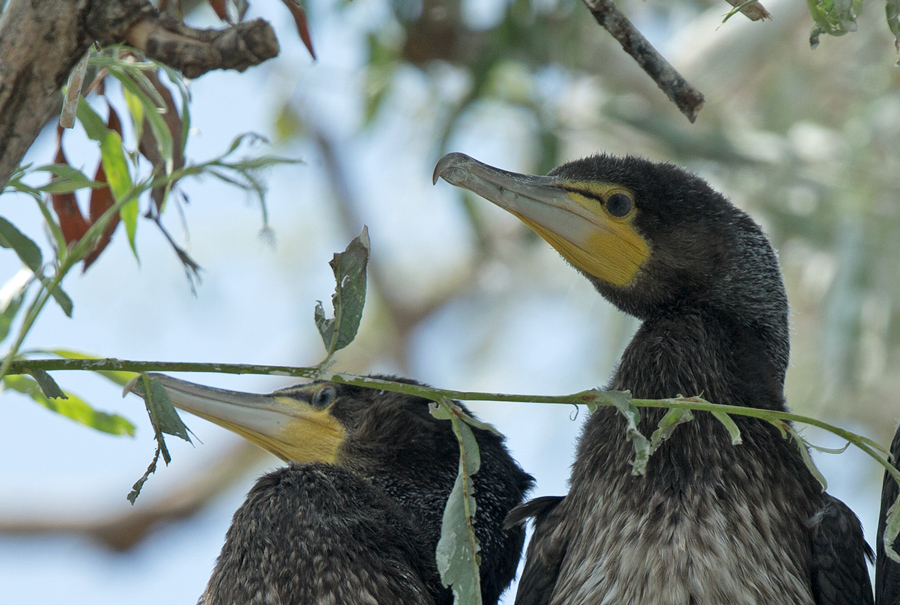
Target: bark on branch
{"points": [[40, 43]]}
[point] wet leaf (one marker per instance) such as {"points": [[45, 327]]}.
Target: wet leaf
{"points": [[457, 550], [349, 297], [72, 407], [27, 251], [667, 426], [728, 422], [302, 25]]}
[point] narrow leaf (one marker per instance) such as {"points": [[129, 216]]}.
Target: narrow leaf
{"points": [[218, 7], [457, 550], [139, 484], [11, 296], [728, 422], [622, 401], [61, 298], [349, 298], [27, 250], [302, 24], [48, 386], [101, 201], [163, 415], [892, 530], [667, 426], [807, 459], [72, 407], [65, 205]]}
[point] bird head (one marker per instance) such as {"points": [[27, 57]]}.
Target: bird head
{"points": [[651, 237], [389, 439]]}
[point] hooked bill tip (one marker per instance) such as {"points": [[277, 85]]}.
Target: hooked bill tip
{"points": [[448, 163]]}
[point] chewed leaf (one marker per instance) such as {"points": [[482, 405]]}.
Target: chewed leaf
{"points": [[667, 426], [349, 297], [457, 551], [622, 401], [163, 415], [728, 422]]}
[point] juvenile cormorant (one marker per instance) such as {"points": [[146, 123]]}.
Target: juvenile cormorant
{"points": [[356, 515], [710, 523], [887, 571]]}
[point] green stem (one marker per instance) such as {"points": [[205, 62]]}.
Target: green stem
{"points": [[583, 397]]}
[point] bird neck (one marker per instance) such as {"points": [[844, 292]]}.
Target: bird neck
{"points": [[697, 351]]}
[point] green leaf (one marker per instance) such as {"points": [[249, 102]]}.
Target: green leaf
{"points": [[11, 296], [800, 442], [139, 484], [829, 450], [163, 416], [892, 530], [892, 14], [728, 422], [68, 179], [59, 296], [832, 17], [349, 297], [72, 407], [457, 550], [667, 426], [622, 401], [48, 386], [91, 121], [28, 251]]}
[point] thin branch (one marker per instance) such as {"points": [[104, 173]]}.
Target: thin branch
{"points": [[593, 397], [688, 99]]}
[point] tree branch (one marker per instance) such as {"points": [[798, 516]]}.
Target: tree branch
{"points": [[40, 43], [688, 99]]}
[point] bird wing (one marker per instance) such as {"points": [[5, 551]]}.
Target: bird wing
{"points": [[839, 574], [545, 552], [887, 571]]}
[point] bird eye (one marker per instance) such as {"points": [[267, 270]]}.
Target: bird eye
{"points": [[618, 204], [323, 398]]}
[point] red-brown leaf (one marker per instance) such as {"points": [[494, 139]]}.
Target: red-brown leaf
{"points": [[148, 145], [302, 25], [71, 221], [101, 201], [219, 7]]}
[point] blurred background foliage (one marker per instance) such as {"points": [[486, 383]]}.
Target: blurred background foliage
{"points": [[464, 296]]}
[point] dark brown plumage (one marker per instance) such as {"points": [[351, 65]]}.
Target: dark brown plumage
{"points": [[710, 523], [356, 515]]}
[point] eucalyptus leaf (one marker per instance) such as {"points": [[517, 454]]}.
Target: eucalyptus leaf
{"points": [[349, 297]]}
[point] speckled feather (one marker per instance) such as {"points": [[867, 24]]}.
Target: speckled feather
{"points": [[365, 530], [710, 523]]}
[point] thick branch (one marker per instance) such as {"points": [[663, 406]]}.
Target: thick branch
{"points": [[40, 43], [688, 99]]}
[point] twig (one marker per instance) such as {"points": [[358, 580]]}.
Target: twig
{"points": [[688, 99]]}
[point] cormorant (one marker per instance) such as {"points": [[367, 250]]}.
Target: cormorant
{"points": [[887, 571], [356, 515], [711, 523]]}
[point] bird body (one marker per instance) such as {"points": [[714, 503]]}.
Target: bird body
{"points": [[355, 517], [711, 522]]}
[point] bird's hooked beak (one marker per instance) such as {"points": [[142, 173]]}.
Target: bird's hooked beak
{"points": [[283, 423], [570, 216]]}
